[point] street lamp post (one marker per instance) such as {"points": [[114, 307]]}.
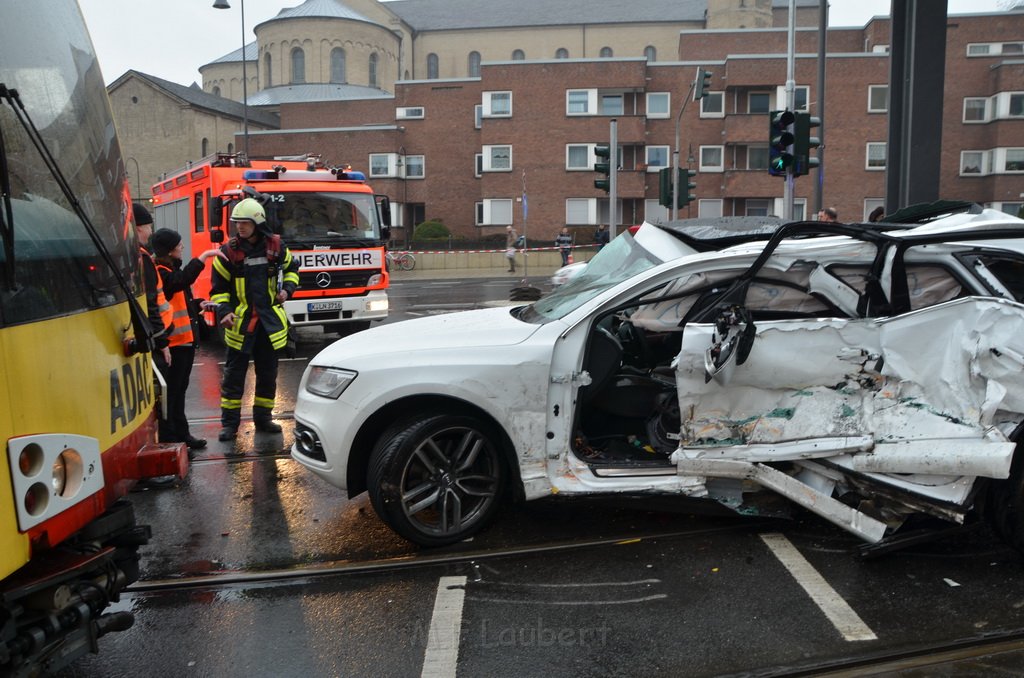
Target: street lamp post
{"points": [[223, 4]]}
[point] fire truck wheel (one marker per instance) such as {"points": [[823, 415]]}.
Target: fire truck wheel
{"points": [[345, 329]]}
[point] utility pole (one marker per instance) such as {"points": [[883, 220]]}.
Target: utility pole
{"points": [[613, 181]]}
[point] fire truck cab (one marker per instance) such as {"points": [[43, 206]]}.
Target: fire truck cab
{"points": [[328, 217]]}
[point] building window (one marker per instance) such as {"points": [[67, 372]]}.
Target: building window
{"points": [[656, 157], [650, 53], [231, 148], [975, 109], [712, 159], [1016, 105], [372, 66], [298, 66], [561, 53], [757, 157], [410, 113], [473, 64], [478, 116], [497, 159], [712, 105], [978, 50], [216, 90], [432, 66], [972, 162], [875, 155], [383, 164], [606, 53], [579, 157], [415, 167], [709, 207], [518, 55], [338, 65], [759, 102], [497, 104], [870, 205], [1014, 160], [494, 212], [204, 147], [267, 79], [580, 101], [1012, 208], [659, 104], [757, 207], [656, 213], [878, 98], [580, 211], [612, 104], [478, 167]]}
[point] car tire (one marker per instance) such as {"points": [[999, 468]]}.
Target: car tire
{"points": [[437, 479], [1004, 503]]}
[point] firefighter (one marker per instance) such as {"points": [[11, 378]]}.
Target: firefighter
{"points": [[248, 293]]}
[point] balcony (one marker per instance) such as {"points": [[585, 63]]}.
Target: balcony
{"points": [[744, 183], [746, 128]]}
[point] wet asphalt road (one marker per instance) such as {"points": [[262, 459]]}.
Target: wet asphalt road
{"points": [[258, 568]]}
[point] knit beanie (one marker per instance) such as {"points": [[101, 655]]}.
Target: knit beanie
{"points": [[165, 240], [141, 214]]}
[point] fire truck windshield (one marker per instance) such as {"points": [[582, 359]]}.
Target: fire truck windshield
{"points": [[323, 216]]}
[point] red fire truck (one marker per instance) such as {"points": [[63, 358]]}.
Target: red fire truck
{"points": [[328, 217]]}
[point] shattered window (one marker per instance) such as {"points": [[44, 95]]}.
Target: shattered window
{"points": [[1009, 271]]}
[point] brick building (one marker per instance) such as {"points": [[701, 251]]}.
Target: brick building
{"points": [[463, 137]]}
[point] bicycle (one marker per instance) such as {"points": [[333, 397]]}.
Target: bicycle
{"points": [[404, 261]]}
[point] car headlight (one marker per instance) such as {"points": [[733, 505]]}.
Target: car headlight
{"points": [[329, 382]]}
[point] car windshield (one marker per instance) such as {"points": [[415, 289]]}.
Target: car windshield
{"points": [[619, 260], [304, 216]]}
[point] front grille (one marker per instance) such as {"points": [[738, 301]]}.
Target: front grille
{"points": [[340, 280]]}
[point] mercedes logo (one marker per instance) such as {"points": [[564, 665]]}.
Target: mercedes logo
{"points": [[323, 279]]}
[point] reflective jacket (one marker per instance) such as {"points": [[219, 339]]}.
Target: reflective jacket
{"points": [[158, 310], [177, 284], [246, 283]]}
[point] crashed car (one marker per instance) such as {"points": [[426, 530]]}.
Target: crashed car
{"points": [[869, 373]]}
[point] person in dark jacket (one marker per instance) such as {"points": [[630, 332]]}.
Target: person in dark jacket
{"points": [[158, 311], [564, 243], [601, 236], [182, 335], [249, 294]]}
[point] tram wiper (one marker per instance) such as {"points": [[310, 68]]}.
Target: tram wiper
{"points": [[7, 215], [143, 342]]}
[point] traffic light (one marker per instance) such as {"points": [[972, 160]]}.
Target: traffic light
{"points": [[665, 187], [803, 142], [702, 84], [604, 166], [780, 142]]}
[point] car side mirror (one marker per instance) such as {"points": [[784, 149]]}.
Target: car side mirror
{"points": [[730, 344], [216, 213], [216, 236]]}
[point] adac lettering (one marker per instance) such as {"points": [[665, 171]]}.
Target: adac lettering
{"points": [[131, 391]]}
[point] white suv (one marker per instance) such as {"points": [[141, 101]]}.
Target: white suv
{"points": [[866, 372]]}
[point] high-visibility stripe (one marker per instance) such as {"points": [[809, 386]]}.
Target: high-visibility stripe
{"points": [[230, 404], [219, 266], [180, 333], [263, 402]]}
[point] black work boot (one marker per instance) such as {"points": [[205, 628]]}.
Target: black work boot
{"points": [[266, 425], [227, 433]]}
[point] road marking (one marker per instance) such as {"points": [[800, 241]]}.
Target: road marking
{"points": [[824, 596], [442, 653], [569, 603]]}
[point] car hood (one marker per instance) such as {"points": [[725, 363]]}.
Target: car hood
{"points": [[462, 330]]}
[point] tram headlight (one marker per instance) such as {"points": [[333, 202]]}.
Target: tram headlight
{"points": [[329, 382], [59, 475]]}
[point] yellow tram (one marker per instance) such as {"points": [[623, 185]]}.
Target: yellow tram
{"points": [[77, 393]]}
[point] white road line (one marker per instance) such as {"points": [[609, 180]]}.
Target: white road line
{"points": [[824, 596], [442, 653], [570, 603]]}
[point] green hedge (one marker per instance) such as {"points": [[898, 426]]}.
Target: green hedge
{"points": [[431, 230]]}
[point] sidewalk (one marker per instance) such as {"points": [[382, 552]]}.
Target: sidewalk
{"points": [[456, 265]]}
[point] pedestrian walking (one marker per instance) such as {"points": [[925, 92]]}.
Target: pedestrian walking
{"points": [[564, 244], [510, 248], [183, 333], [249, 292], [601, 236], [829, 214]]}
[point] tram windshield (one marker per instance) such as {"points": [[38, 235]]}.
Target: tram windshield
{"points": [[49, 265]]}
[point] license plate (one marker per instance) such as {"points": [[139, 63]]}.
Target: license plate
{"points": [[315, 306]]}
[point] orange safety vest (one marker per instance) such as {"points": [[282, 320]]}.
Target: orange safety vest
{"points": [[179, 325], [162, 305]]}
